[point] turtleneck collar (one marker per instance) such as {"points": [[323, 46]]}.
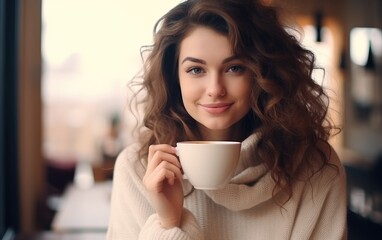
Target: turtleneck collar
{"points": [[252, 183]]}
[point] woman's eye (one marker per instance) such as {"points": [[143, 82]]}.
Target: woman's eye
{"points": [[236, 69], [195, 70]]}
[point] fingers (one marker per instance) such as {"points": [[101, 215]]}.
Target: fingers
{"points": [[169, 170], [163, 165], [164, 172], [159, 153]]}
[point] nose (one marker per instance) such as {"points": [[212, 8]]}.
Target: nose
{"points": [[216, 87]]}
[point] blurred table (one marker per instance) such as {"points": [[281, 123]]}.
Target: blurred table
{"points": [[67, 236], [84, 209]]}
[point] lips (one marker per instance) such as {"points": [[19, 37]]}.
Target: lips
{"points": [[216, 108]]}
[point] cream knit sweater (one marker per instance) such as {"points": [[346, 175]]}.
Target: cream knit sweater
{"points": [[241, 211]]}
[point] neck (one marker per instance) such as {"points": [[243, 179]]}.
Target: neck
{"points": [[215, 135], [234, 133]]}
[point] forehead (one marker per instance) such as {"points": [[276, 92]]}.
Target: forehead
{"points": [[204, 42]]}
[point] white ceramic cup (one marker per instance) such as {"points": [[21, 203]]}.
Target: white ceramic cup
{"points": [[208, 164]]}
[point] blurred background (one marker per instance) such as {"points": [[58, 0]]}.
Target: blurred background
{"points": [[64, 70]]}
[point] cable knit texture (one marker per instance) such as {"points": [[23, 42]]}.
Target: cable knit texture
{"points": [[243, 210]]}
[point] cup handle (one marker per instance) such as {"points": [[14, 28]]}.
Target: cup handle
{"points": [[177, 154]]}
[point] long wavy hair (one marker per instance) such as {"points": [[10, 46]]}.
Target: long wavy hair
{"points": [[289, 109]]}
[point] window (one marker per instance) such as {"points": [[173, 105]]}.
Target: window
{"points": [[90, 52], [326, 55], [365, 49]]}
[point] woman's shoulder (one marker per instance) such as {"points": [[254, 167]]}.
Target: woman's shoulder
{"points": [[332, 169], [129, 162], [330, 153]]}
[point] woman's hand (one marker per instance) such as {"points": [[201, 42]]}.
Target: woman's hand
{"points": [[163, 180]]}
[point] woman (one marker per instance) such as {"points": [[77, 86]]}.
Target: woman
{"points": [[228, 70]]}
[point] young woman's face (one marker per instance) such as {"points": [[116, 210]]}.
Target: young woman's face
{"points": [[215, 84]]}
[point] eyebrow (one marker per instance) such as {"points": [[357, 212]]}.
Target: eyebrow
{"points": [[197, 60], [192, 59]]}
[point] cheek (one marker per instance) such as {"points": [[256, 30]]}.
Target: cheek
{"points": [[188, 95], [243, 92], [189, 90], [245, 97], [185, 91]]}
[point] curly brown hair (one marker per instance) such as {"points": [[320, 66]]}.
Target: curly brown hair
{"points": [[289, 109]]}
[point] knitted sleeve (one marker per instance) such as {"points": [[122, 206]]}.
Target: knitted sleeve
{"points": [[331, 223], [131, 216], [189, 229], [322, 214]]}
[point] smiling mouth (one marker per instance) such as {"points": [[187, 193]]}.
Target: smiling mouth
{"points": [[216, 108]]}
